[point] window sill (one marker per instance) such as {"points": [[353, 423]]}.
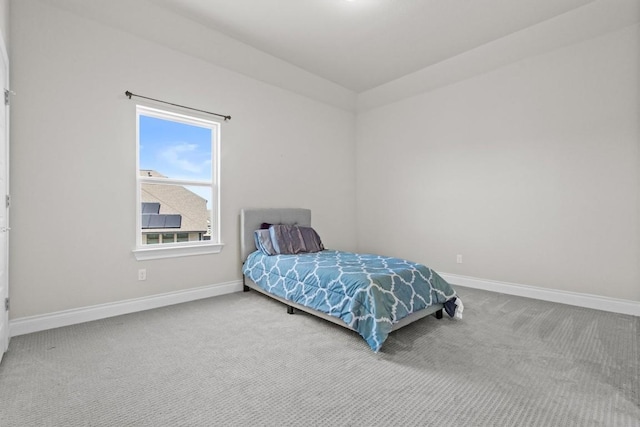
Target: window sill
{"points": [[171, 251]]}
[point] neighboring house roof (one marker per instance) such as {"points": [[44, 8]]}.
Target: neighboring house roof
{"points": [[175, 199]]}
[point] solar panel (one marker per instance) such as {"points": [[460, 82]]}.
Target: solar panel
{"points": [[150, 208], [161, 220], [156, 221], [173, 221]]}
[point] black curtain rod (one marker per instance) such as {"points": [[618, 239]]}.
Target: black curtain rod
{"points": [[129, 94]]}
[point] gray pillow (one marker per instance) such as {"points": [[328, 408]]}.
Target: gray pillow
{"points": [[311, 239], [287, 239]]}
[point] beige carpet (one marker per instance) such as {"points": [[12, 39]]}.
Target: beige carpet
{"points": [[241, 360]]}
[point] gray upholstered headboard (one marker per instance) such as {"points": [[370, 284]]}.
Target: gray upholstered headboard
{"points": [[251, 219]]}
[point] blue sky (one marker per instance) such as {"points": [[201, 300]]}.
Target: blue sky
{"points": [[176, 150]]}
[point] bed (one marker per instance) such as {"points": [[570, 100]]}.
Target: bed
{"points": [[370, 294]]}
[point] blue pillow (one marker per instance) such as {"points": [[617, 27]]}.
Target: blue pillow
{"points": [[263, 242]]}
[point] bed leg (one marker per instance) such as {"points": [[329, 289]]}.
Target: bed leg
{"points": [[289, 309], [245, 288], [439, 314]]}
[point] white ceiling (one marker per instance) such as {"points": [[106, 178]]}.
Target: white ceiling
{"points": [[362, 44]]}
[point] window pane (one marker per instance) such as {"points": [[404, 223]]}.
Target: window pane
{"points": [[168, 209], [153, 239], [175, 150]]}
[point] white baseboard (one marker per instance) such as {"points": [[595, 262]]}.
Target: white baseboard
{"points": [[564, 297], [27, 325]]}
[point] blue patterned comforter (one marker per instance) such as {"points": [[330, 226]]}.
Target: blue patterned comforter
{"points": [[368, 292]]}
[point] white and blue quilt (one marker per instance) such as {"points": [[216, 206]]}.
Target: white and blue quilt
{"points": [[369, 293]]}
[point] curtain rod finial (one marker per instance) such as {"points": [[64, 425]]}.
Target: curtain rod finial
{"points": [[127, 93]]}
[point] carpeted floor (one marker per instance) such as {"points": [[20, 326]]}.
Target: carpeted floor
{"points": [[241, 360]]}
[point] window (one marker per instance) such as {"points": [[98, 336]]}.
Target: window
{"points": [[177, 184], [152, 238]]}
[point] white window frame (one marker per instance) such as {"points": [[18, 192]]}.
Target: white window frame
{"points": [[177, 249]]}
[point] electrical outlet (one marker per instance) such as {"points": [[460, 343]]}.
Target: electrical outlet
{"points": [[142, 274], [458, 259]]}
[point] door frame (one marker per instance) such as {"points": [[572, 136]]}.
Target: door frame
{"points": [[4, 340]]}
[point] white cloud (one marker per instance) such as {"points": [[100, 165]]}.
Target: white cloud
{"points": [[186, 157]]}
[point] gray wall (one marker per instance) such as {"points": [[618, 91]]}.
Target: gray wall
{"points": [[73, 160], [530, 171]]}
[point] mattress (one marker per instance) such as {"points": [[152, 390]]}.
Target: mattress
{"points": [[370, 293]]}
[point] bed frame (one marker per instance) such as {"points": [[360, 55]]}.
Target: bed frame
{"points": [[252, 219]]}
